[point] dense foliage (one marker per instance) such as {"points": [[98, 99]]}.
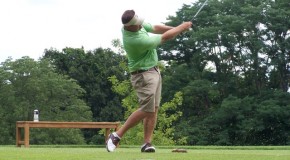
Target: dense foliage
{"points": [[91, 70], [233, 68], [27, 85]]}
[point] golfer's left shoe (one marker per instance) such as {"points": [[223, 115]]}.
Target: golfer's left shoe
{"points": [[113, 142], [147, 147]]}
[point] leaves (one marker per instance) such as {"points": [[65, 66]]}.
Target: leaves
{"points": [[29, 85], [237, 52], [91, 70]]}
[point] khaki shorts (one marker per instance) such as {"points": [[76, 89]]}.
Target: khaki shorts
{"points": [[148, 88]]}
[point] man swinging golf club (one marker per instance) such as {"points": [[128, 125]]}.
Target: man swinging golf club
{"points": [[145, 75]]}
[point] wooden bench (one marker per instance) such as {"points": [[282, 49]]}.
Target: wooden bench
{"points": [[48, 124]]}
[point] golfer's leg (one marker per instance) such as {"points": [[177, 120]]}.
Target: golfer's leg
{"points": [[132, 121], [149, 125]]}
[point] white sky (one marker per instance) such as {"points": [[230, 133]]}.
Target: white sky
{"points": [[27, 27]]}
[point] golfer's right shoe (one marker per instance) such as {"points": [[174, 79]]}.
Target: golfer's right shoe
{"points": [[147, 147], [113, 142]]}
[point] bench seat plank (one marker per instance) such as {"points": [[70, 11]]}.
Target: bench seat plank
{"points": [[52, 124]]}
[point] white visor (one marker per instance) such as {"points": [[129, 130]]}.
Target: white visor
{"points": [[135, 21]]}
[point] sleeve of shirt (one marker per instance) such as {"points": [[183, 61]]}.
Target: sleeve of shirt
{"points": [[147, 26], [152, 41]]}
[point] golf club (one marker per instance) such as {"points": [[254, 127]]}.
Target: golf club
{"points": [[198, 10]]}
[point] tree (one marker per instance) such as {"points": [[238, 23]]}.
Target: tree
{"points": [[91, 69], [249, 39], [235, 48], [27, 85], [247, 121]]}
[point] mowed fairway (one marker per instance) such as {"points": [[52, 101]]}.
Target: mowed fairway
{"points": [[214, 153]]}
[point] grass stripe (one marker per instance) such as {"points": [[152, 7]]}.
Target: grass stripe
{"points": [[129, 153]]}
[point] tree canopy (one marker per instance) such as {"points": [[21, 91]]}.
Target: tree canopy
{"points": [[26, 85], [235, 49]]}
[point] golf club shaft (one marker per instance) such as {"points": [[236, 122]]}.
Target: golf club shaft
{"points": [[199, 10]]}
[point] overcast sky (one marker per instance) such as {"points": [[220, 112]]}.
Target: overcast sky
{"points": [[27, 27]]}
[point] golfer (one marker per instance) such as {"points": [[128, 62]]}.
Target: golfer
{"points": [[145, 75]]}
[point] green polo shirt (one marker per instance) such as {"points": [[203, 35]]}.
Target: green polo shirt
{"points": [[141, 48]]}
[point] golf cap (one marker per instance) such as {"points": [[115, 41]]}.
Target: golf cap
{"points": [[135, 21]]}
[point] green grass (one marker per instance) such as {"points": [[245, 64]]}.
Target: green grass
{"points": [[133, 153]]}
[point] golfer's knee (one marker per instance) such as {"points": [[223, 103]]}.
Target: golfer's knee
{"points": [[150, 114]]}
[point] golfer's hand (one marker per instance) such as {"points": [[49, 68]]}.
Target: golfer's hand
{"points": [[186, 25]]}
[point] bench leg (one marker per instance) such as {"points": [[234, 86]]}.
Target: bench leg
{"points": [[107, 134], [18, 136], [26, 135]]}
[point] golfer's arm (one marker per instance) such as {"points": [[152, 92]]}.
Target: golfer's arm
{"points": [[172, 33], [160, 29]]}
